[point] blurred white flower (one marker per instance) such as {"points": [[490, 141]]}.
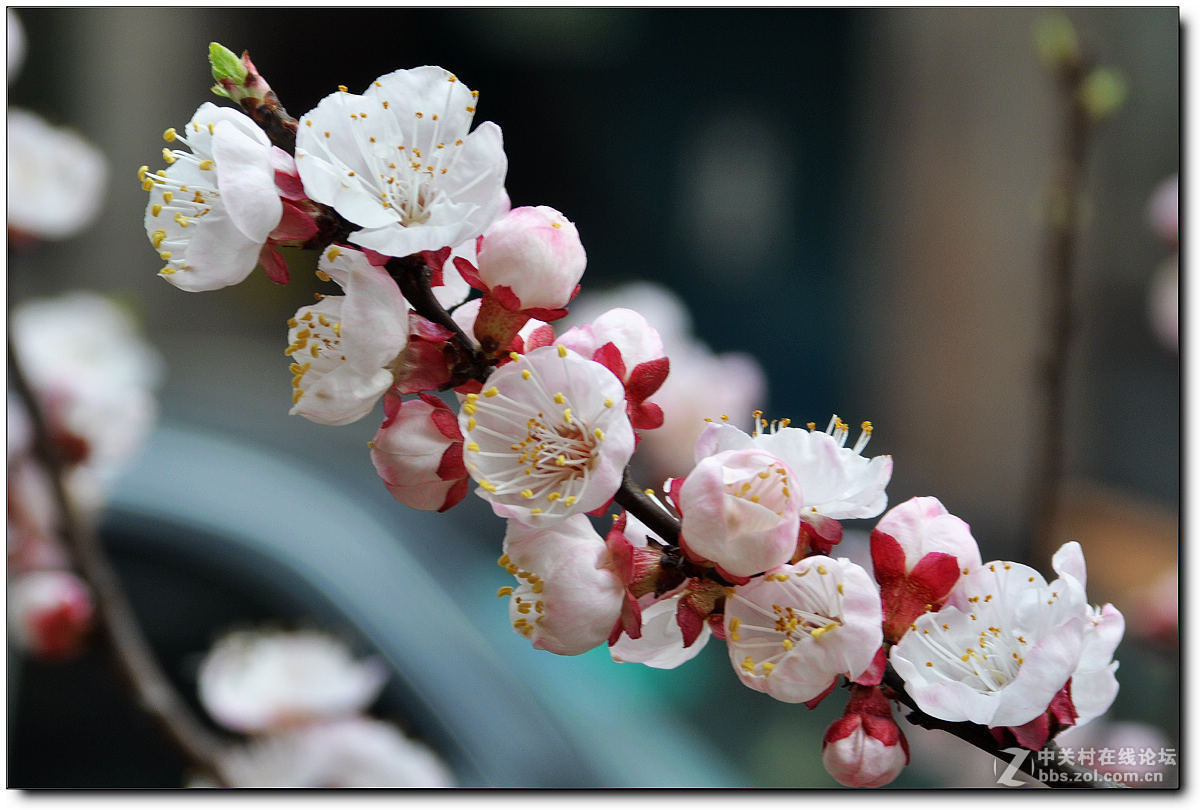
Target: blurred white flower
{"points": [[16, 44], [257, 682], [56, 178], [346, 753], [95, 376]]}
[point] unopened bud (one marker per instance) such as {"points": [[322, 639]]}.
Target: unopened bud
{"points": [[226, 67], [865, 747]]}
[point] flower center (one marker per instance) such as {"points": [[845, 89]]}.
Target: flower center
{"points": [[526, 607], [315, 347], [530, 443], [808, 606]]}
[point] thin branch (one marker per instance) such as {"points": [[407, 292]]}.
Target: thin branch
{"points": [[118, 624], [639, 504], [1061, 250]]}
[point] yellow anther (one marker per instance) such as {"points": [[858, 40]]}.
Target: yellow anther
{"points": [[820, 631], [168, 197], [649, 492], [206, 165], [473, 447], [147, 184], [157, 238], [168, 156], [559, 399], [156, 209], [167, 271], [788, 643], [321, 274], [181, 220], [562, 351], [471, 423], [569, 501], [767, 667], [599, 434], [371, 444], [748, 664], [567, 416], [525, 374], [469, 408], [553, 496], [514, 357], [867, 427], [342, 88], [822, 569], [561, 461], [505, 591], [488, 485], [165, 255], [169, 134], [536, 510], [527, 493]]}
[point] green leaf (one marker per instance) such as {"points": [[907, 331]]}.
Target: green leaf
{"points": [[1103, 92], [1055, 39], [225, 64]]}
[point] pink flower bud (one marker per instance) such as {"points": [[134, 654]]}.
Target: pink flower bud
{"points": [[535, 252], [739, 512], [50, 613], [418, 453], [865, 747]]}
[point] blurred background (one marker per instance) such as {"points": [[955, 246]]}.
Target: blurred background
{"points": [[853, 197]]}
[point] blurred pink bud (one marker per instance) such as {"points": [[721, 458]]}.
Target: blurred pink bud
{"points": [[50, 613], [418, 452], [865, 747]]}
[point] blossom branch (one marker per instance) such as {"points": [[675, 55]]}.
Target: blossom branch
{"points": [[978, 736], [118, 624], [638, 503]]}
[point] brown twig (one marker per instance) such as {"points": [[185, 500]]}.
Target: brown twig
{"points": [[1062, 246], [118, 625]]}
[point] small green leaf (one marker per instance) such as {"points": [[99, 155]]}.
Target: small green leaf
{"points": [[225, 64], [220, 91], [1056, 41], [1103, 92]]}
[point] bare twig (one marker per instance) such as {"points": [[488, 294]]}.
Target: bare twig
{"points": [[118, 624]]}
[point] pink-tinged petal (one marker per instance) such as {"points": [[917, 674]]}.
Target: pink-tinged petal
{"points": [[921, 525], [662, 643], [419, 463], [246, 180], [1068, 561], [567, 597], [218, 256]]}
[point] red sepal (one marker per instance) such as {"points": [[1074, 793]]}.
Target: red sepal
{"points": [[644, 415], [873, 675], [609, 356], [273, 265], [818, 534], [289, 186], [442, 417], [646, 378], [543, 314], [469, 273], [391, 406], [435, 260], [295, 225], [716, 623], [457, 492], [812, 704], [451, 467]]}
